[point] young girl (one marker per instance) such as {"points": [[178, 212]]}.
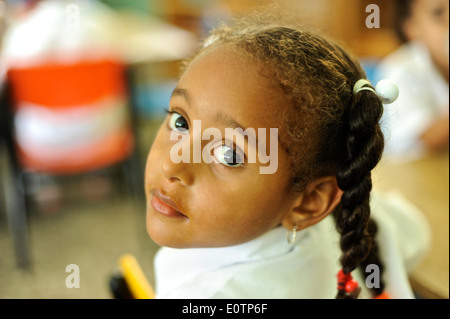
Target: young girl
{"points": [[222, 222]]}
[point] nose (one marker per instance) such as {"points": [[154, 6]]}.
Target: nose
{"points": [[178, 169], [177, 172]]}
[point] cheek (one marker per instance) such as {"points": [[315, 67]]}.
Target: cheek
{"points": [[432, 31], [437, 45], [241, 214]]}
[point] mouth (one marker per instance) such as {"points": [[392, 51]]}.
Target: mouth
{"points": [[165, 205]]}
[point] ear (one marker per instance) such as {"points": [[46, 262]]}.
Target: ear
{"points": [[314, 204]]}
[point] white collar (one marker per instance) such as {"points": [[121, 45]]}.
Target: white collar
{"points": [[175, 266]]}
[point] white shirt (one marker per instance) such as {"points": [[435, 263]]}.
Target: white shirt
{"points": [[270, 268], [424, 96]]}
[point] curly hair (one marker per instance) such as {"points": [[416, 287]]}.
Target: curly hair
{"points": [[328, 129]]}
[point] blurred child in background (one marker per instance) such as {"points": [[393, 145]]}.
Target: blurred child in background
{"points": [[418, 122]]}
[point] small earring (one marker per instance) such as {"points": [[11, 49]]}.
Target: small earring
{"points": [[291, 239]]}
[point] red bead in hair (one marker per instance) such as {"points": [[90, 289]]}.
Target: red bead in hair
{"points": [[351, 286], [346, 282]]}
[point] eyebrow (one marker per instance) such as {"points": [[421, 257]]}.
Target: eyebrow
{"points": [[182, 93], [221, 118]]}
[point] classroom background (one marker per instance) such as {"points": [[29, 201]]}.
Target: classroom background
{"points": [[54, 215]]}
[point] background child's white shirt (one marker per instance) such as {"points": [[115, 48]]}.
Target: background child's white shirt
{"points": [[269, 268], [424, 96]]}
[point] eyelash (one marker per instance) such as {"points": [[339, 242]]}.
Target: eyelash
{"points": [[176, 111]]}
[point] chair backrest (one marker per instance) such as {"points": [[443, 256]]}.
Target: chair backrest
{"points": [[70, 118]]}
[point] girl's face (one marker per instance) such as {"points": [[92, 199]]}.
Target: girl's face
{"points": [[224, 202], [429, 24]]}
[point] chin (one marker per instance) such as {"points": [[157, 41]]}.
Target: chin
{"points": [[164, 238]]}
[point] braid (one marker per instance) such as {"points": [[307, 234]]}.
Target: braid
{"points": [[364, 147], [373, 258]]}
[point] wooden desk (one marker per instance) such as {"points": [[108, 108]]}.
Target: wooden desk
{"points": [[425, 183]]}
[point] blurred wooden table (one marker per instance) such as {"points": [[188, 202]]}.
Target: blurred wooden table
{"points": [[425, 183]]}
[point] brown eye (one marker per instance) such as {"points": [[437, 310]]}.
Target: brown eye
{"points": [[228, 156], [438, 13], [178, 123]]}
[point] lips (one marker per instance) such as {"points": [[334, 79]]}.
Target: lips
{"points": [[165, 205]]}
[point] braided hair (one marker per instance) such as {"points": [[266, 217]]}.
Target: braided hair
{"points": [[328, 129]]}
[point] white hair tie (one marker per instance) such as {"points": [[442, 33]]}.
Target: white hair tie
{"points": [[386, 90]]}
